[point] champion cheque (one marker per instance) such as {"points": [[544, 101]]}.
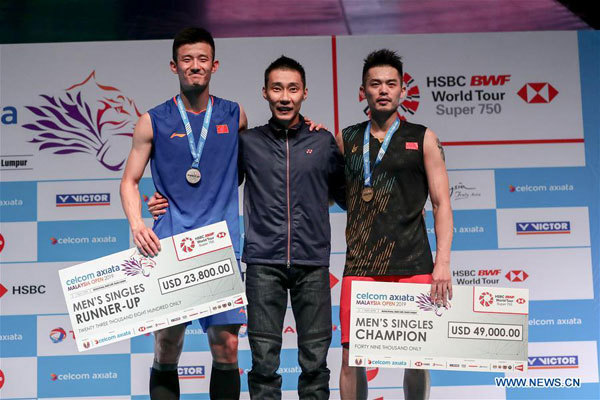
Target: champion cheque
{"points": [[127, 294], [396, 325]]}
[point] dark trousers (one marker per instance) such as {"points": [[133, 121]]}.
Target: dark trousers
{"points": [[267, 290]]}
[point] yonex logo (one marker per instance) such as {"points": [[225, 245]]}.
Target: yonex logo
{"points": [[539, 228], [539, 92], [83, 199]]}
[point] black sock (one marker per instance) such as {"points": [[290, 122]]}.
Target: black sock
{"points": [[225, 381], [164, 382]]}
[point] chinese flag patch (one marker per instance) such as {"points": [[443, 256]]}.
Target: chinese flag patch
{"points": [[222, 129], [412, 146]]}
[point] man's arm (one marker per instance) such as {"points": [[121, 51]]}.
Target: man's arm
{"points": [[337, 178], [144, 238], [437, 177]]}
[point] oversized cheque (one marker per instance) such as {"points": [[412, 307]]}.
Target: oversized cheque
{"points": [[397, 325], [126, 294]]}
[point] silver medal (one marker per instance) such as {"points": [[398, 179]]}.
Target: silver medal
{"points": [[193, 176]]}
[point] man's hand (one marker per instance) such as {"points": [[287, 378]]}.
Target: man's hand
{"points": [[441, 286], [157, 205], [146, 240], [312, 125]]}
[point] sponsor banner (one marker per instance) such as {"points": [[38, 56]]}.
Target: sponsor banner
{"points": [[78, 200], [562, 320], [543, 227], [81, 240], [18, 201], [473, 230], [470, 190], [564, 359], [69, 376], [18, 241], [31, 289], [543, 272], [396, 325], [194, 372], [543, 187], [55, 337], [126, 294], [18, 336], [18, 377], [508, 88]]}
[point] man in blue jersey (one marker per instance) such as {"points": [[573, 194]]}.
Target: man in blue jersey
{"points": [[201, 186]]}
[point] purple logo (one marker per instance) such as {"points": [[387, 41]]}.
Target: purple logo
{"points": [[426, 304], [135, 266], [87, 118]]}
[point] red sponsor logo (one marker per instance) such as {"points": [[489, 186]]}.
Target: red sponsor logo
{"points": [[487, 80], [53, 240], [418, 364], [372, 373], [489, 272], [412, 146], [486, 299], [86, 345], [309, 151], [142, 329], [358, 361], [519, 367], [332, 280], [516, 275], [221, 235], [1, 379], [3, 290], [239, 300], [521, 300], [221, 129], [1, 242], [187, 244], [53, 377], [537, 93]]}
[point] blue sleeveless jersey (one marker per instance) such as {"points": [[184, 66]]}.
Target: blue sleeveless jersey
{"points": [[215, 198]]}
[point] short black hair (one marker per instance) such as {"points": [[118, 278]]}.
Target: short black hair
{"points": [[284, 62], [192, 35], [383, 57]]}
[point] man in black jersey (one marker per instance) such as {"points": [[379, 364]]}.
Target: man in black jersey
{"points": [[385, 233]]}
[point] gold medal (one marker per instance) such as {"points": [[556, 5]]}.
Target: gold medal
{"points": [[367, 194]]}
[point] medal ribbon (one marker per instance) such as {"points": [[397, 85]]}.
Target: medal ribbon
{"points": [[196, 151], [366, 157]]}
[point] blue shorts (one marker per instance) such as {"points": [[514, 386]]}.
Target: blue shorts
{"points": [[231, 317]]}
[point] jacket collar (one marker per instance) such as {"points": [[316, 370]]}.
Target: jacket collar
{"points": [[278, 129]]}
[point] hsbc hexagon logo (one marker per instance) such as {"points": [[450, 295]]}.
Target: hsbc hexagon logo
{"points": [[1, 379], [516, 275], [221, 235], [3, 290], [187, 244], [537, 93], [1, 243], [333, 280], [521, 300]]}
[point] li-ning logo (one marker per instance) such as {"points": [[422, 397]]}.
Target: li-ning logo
{"points": [[425, 303], [486, 299], [187, 244], [541, 228], [86, 118], [539, 92], [140, 265], [410, 104]]}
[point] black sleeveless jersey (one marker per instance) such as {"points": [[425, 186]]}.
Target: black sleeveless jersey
{"points": [[387, 236]]}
